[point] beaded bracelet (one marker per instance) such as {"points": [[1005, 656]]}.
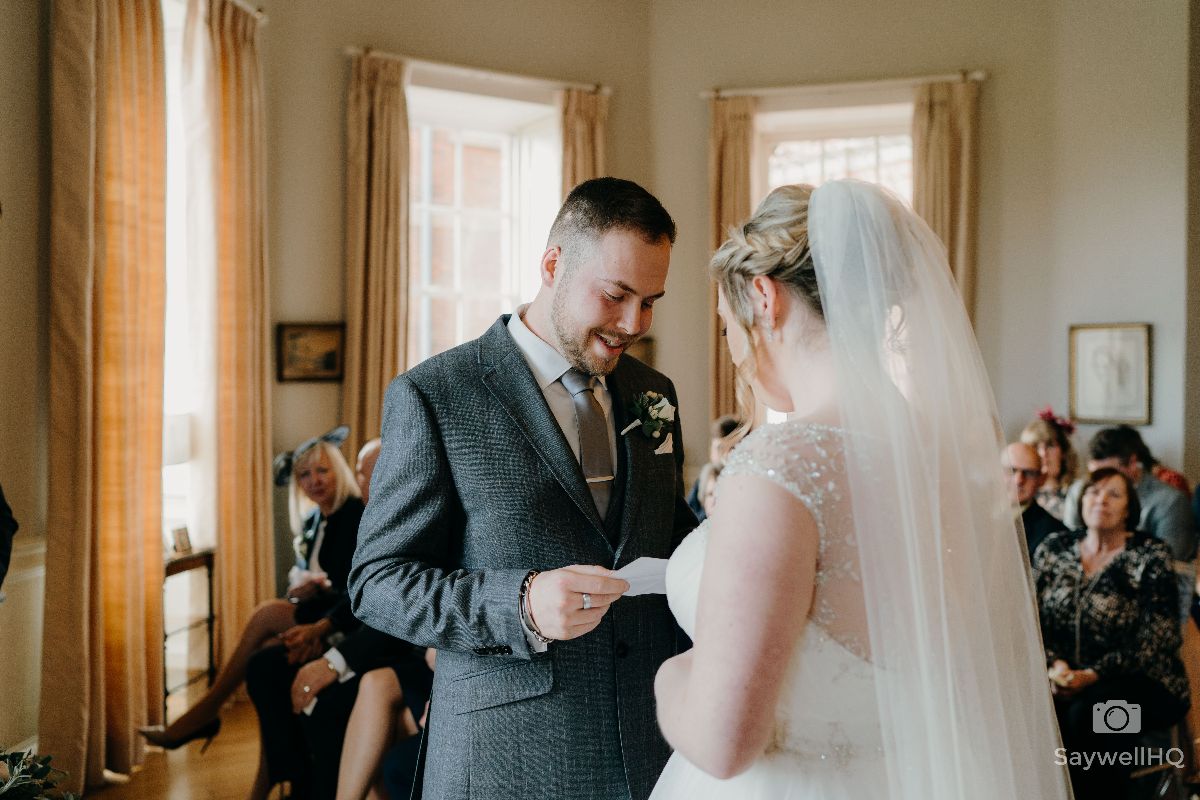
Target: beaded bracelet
{"points": [[525, 610]]}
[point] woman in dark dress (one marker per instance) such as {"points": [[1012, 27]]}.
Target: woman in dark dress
{"points": [[325, 509], [1110, 623]]}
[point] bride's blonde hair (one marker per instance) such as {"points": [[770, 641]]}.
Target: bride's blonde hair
{"points": [[774, 244]]}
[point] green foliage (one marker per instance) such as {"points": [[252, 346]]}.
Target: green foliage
{"points": [[25, 776], [652, 412]]}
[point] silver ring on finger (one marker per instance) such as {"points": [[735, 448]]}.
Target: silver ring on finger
{"points": [[587, 601]]}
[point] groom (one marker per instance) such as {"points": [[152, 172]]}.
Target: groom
{"points": [[506, 490]]}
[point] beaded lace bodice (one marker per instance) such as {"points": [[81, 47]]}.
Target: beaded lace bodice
{"points": [[828, 710]]}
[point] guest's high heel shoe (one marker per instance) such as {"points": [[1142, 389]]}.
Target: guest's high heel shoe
{"points": [[157, 734]]}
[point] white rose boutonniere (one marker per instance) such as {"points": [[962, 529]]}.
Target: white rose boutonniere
{"points": [[651, 411]]}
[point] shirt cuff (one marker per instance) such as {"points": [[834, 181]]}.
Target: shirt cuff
{"points": [[338, 662]]}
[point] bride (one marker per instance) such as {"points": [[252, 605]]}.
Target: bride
{"points": [[862, 619]]}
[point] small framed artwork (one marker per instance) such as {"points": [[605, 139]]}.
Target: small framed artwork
{"points": [[1110, 373], [643, 350], [181, 543], [309, 351]]}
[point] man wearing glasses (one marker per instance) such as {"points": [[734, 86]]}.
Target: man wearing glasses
{"points": [[1023, 469]]}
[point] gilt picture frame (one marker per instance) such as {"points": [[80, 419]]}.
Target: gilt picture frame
{"points": [[311, 351]]}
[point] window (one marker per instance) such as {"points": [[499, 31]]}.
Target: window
{"points": [[484, 190], [180, 380], [185, 656], [870, 141]]}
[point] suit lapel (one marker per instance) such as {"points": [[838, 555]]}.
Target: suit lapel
{"points": [[508, 377]]}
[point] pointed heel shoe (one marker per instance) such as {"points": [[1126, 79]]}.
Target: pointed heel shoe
{"points": [[157, 735]]}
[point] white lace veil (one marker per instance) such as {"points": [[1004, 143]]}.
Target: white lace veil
{"points": [[963, 697]]}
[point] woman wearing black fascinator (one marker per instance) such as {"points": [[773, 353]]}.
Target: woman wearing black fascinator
{"points": [[324, 507]]}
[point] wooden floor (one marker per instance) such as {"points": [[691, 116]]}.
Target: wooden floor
{"points": [[224, 772]]}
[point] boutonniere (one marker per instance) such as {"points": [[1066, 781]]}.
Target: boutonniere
{"points": [[651, 412]]}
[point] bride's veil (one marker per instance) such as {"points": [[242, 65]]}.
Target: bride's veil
{"points": [[963, 697]]}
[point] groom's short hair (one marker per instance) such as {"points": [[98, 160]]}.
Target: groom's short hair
{"points": [[595, 207]]}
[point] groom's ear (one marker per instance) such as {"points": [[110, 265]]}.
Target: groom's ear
{"points": [[549, 266]]}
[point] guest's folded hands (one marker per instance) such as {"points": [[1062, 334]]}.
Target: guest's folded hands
{"points": [[305, 642], [310, 681]]}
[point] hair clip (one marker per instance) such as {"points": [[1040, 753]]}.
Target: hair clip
{"points": [[1064, 424]]}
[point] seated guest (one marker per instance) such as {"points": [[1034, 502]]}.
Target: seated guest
{"points": [[719, 446], [325, 510], [1024, 477], [306, 750], [377, 717], [1051, 436], [8, 529], [1165, 513], [332, 749], [1108, 608], [1170, 477]]}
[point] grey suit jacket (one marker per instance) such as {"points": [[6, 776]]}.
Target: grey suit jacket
{"points": [[475, 486]]}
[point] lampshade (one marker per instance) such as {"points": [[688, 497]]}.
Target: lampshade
{"points": [[177, 439]]}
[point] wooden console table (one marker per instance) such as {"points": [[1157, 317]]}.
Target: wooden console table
{"points": [[177, 565]]}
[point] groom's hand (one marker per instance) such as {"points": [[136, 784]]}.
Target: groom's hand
{"points": [[556, 600]]}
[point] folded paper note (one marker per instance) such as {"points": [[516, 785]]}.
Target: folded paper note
{"points": [[645, 575]]}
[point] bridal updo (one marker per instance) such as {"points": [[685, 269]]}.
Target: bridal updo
{"points": [[774, 244]]}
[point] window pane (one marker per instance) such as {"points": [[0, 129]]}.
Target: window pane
{"points": [[860, 159], [795, 162], [442, 165], [441, 249], [478, 315], [443, 324], [483, 255], [886, 160], [483, 176]]}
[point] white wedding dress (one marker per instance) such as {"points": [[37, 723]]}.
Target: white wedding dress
{"points": [[826, 743], [920, 674]]}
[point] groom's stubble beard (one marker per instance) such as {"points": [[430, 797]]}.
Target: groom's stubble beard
{"points": [[575, 344]]}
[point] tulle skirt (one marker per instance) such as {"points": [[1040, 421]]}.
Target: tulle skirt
{"points": [[780, 776]]}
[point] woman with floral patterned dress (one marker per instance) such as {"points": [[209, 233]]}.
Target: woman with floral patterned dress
{"points": [[1109, 616]]}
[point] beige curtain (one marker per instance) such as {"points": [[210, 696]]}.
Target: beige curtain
{"points": [[102, 637], [730, 146], [223, 75], [584, 120], [376, 240], [945, 173]]}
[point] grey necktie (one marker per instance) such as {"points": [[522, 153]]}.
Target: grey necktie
{"points": [[594, 454]]}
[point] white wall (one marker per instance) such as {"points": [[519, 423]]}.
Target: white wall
{"points": [[1083, 160], [23, 352]]}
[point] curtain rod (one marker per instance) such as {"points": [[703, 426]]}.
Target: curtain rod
{"points": [[830, 88], [257, 13], [481, 74]]}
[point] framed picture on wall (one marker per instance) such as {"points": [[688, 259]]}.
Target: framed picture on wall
{"points": [[309, 351], [1110, 373]]}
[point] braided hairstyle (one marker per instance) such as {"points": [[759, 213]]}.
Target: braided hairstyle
{"points": [[774, 244]]}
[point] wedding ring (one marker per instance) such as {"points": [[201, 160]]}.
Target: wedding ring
{"points": [[587, 601]]}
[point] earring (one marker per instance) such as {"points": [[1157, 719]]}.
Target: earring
{"points": [[769, 334]]}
